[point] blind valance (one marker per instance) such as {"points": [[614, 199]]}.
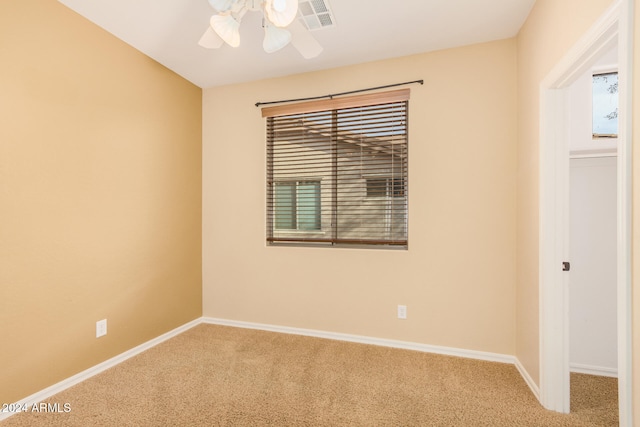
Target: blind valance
{"points": [[337, 103]]}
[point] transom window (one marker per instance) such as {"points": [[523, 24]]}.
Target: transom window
{"points": [[337, 171], [605, 105]]}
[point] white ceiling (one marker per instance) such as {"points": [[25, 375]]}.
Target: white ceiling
{"points": [[366, 30]]}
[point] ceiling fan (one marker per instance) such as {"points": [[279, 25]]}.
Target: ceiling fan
{"points": [[279, 22]]}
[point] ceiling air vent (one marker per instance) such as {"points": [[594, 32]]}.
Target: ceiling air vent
{"points": [[315, 14]]}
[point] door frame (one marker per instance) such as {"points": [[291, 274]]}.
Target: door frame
{"points": [[614, 26]]}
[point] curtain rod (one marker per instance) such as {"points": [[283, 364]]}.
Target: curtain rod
{"points": [[258, 104]]}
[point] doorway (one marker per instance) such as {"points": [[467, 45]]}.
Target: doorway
{"points": [[593, 348], [592, 109], [614, 27]]}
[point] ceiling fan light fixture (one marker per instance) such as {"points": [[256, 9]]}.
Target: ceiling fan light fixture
{"points": [[275, 38], [228, 28], [284, 17], [278, 14]]}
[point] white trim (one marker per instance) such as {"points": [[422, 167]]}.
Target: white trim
{"points": [[588, 154], [360, 339], [601, 37], [616, 25], [38, 397], [604, 69], [599, 371], [625, 201], [527, 379]]}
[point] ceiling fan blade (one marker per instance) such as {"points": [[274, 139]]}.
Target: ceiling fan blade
{"points": [[210, 40], [227, 28], [303, 41]]}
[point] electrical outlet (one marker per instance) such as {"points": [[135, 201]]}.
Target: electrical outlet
{"points": [[402, 312], [101, 328]]}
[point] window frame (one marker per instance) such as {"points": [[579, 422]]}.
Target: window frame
{"points": [[389, 188], [389, 219]]}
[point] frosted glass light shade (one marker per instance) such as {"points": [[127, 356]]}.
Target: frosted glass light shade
{"points": [[275, 38], [210, 40], [279, 5], [281, 18], [221, 5], [227, 28]]}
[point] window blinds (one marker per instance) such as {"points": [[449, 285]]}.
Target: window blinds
{"points": [[337, 171]]}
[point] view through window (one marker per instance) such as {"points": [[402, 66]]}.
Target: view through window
{"points": [[605, 105]]}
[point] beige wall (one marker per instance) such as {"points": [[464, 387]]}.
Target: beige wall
{"points": [[550, 31], [458, 276], [100, 196]]}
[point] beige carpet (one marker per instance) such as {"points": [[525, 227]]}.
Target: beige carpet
{"points": [[222, 376]]}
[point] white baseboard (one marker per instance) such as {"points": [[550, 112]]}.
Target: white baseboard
{"points": [[528, 380], [593, 370], [38, 397], [447, 351]]}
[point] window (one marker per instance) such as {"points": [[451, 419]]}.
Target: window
{"points": [[605, 105], [385, 187], [337, 171], [297, 205]]}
